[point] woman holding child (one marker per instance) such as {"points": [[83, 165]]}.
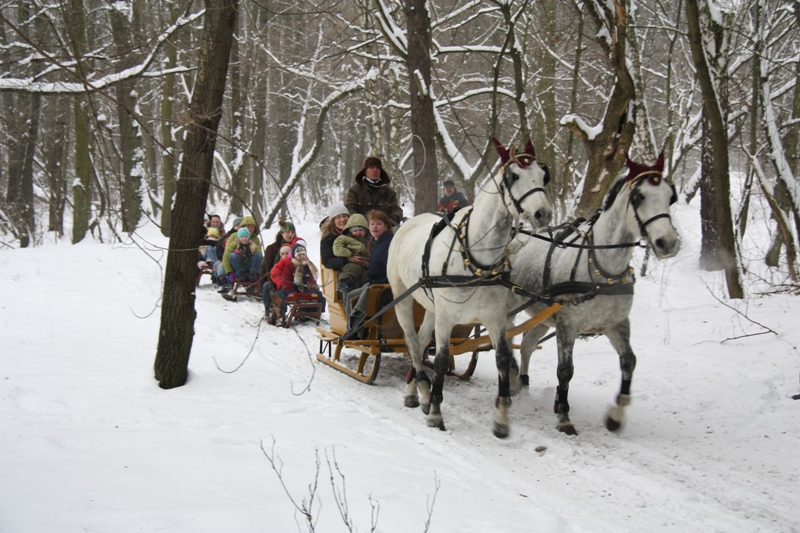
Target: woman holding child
{"points": [[351, 246], [379, 229]]}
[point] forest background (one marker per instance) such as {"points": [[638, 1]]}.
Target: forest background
{"points": [[96, 107]]}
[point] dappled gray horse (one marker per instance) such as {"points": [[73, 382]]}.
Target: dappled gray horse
{"points": [[462, 261], [590, 265]]}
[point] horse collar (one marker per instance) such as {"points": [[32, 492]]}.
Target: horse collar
{"points": [[499, 267]]}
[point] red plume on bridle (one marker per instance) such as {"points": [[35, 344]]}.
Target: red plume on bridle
{"points": [[522, 159], [636, 171]]}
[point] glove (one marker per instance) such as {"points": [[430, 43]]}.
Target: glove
{"points": [[238, 251], [231, 278], [202, 264]]}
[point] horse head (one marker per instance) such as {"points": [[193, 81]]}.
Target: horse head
{"points": [[519, 181], [648, 202]]}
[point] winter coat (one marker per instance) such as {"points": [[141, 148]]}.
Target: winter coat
{"points": [[298, 278], [276, 274], [272, 255], [329, 259], [363, 196], [245, 251], [452, 203], [346, 246], [379, 253], [233, 242]]}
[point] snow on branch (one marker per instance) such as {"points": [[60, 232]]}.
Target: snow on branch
{"points": [[450, 147], [391, 30], [578, 125], [777, 153], [28, 85], [300, 162]]}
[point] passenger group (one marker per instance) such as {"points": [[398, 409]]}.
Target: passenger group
{"points": [[355, 239]]}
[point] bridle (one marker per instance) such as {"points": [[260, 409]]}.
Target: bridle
{"points": [[522, 161], [635, 199]]}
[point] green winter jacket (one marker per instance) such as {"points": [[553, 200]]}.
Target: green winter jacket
{"points": [[347, 246], [230, 246]]}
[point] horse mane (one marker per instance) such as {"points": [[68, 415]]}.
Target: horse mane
{"points": [[616, 187]]}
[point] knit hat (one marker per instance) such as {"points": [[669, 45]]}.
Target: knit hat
{"points": [[299, 248], [237, 222], [212, 233], [287, 226], [449, 183], [285, 247], [243, 232], [337, 209]]}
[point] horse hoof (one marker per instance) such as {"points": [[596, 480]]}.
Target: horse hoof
{"points": [[524, 380], [612, 425], [435, 422], [569, 429], [500, 430], [411, 401], [426, 408]]}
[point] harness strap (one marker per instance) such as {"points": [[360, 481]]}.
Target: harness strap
{"points": [[439, 282], [556, 241]]}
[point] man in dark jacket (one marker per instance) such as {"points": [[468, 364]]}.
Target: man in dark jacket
{"points": [[372, 191], [452, 200]]}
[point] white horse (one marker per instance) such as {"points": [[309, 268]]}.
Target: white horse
{"points": [[461, 265], [592, 262]]}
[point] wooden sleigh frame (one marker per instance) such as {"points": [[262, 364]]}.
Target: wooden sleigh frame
{"points": [[384, 335]]}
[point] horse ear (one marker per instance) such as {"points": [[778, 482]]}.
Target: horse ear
{"points": [[634, 168], [530, 150], [659, 162], [501, 151]]}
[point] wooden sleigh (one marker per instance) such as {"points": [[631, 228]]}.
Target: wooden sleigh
{"points": [[384, 334]]}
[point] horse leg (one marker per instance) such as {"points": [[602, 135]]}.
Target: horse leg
{"points": [[441, 364], [565, 370], [504, 358], [426, 330], [416, 377], [530, 340], [620, 338]]}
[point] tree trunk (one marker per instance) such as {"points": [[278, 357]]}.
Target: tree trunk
{"points": [[606, 152], [205, 110], [719, 147], [520, 96], [56, 139], [238, 187], [710, 258], [422, 124], [81, 188], [169, 160], [563, 184], [130, 145], [545, 125]]}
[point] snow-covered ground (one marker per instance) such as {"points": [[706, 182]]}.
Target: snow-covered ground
{"points": [[89, 442]]}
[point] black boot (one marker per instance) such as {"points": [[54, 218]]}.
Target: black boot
{"points": [[345, 286]]}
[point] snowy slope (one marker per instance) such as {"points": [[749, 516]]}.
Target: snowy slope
{"points": [[88, 442]]}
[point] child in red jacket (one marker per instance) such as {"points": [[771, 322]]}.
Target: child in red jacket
{"points": [[299, 276]]}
